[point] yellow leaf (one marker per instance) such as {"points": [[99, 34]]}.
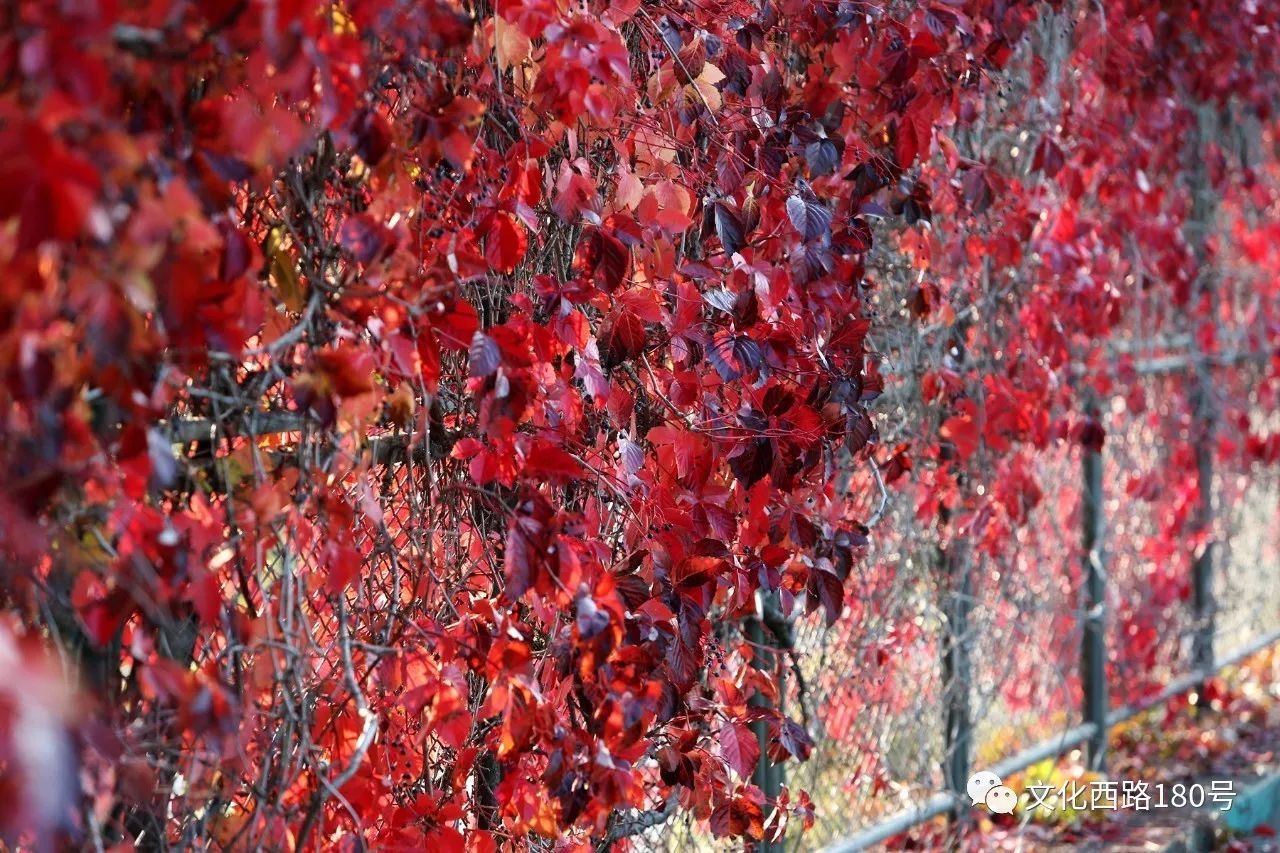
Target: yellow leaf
{"points": [[629, 188], [510, 45], [342, 22], [710, 74], [709, 93], [283, 272], [652, 146]]}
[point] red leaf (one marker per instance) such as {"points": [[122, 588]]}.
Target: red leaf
{"points": [[602, 258], [576, 195], [826, 590], [456, 322], [488, 466], [364, 238], [738, 817], [484, 355], [505, 243], [102, 614], [466, 448], [849, 337], [734, 356], [444, 839], [348, 368], [205, 594], [525, 550], [751, 460], [740, 748], [665, 206], [622, 337], [810, 216], [688, 448], [642, 302], [551, 463], [962, 433], [795, 739], [342, 566], [694, 572], [429, 359], [729, 227], [858, 430], [1048, 157], [977, 190]]}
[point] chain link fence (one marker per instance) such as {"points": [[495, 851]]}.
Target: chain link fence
{"points": [[876, 679]]}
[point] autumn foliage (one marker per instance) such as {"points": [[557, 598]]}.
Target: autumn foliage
{"points": [[407, 405]]}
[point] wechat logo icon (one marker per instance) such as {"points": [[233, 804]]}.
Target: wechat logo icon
{"points": [[986, 788]]}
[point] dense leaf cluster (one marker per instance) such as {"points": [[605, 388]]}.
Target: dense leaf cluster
{"points": [[406, 403]]}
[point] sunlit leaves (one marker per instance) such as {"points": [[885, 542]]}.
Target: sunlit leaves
{"points": [[666, 206], [552, 464], [448, 130], [738, 816]]}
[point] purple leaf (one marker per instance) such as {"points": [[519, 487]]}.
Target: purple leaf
{"points": [[485, 355]]}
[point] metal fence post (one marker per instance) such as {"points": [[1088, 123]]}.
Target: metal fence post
{"points": [[1093, 660], [1202, 602], [957, 671], [768, 775], [957, 662], [1204, 203]]}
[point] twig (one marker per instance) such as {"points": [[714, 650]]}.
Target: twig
{"points": [[884, 493], [1174, 363], [332, 786], [139, 41], [382, 448]]}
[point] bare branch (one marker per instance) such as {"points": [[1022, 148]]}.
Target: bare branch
{"points": [[626, 824], [884, 493]]}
